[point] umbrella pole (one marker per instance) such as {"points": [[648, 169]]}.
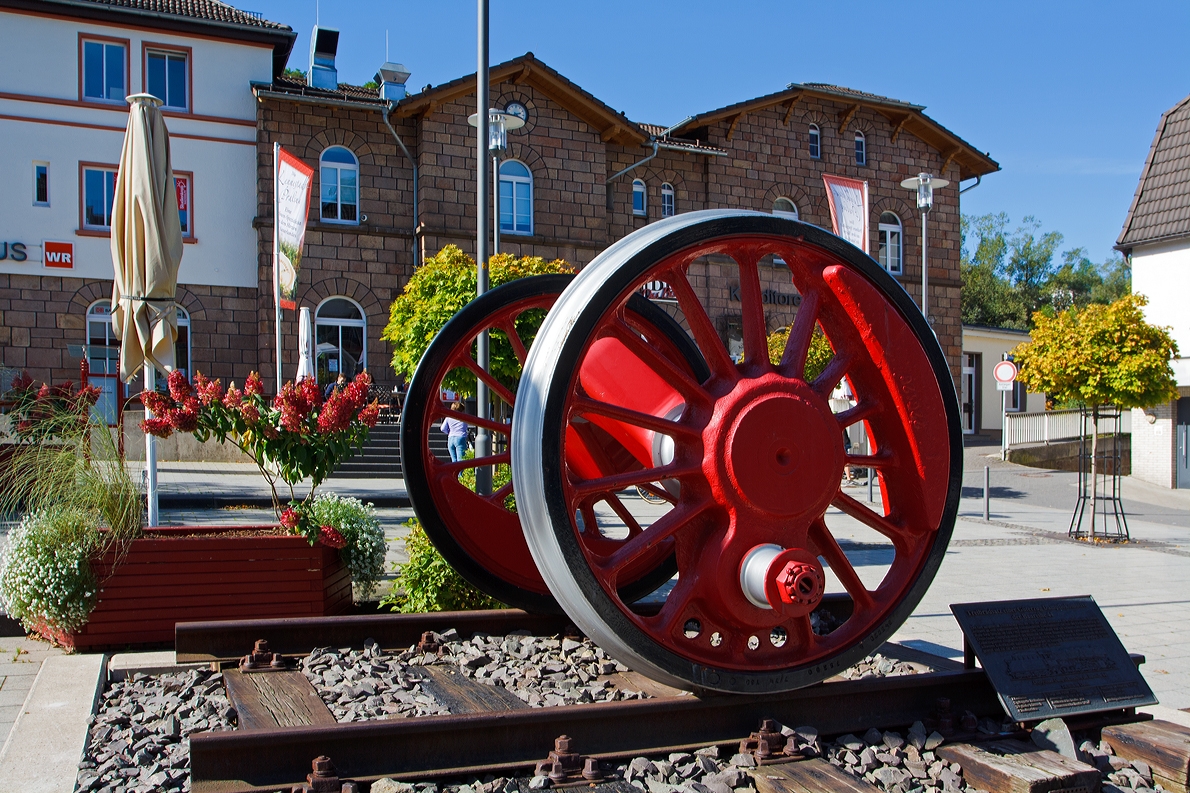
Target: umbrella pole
{"points": [[150, 452]]}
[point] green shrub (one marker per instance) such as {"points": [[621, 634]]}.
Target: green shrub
{"points": [[364, 552], [45, 570], [427, 583]]}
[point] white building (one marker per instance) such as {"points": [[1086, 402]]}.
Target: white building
{"points": [[982, 405], [1156, 239], [65, 69]]}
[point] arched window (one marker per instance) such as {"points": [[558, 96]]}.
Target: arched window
{"points": [[815, 142], [638, 197], [516, 198], [340, 185], [667, 200], [340, 339], [783, 206], [890, 242], [861, 149]]}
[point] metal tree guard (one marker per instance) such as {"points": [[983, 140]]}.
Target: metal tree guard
{"points": [[1104, 501]]}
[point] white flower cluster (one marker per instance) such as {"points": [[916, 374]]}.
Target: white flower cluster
{"points": [[357, 522], [45, 570]]}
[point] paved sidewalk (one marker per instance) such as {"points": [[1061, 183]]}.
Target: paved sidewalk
{"points": [[20, 661], [198, 484]]}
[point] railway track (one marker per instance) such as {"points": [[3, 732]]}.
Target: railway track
{"points": [[282, 729]]}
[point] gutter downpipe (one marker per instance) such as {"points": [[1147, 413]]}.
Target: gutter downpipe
{"points": [[978, 179], [656, 141], [413, 164]]}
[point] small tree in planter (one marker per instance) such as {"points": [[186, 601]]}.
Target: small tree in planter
{"points": [[1099, 355]]}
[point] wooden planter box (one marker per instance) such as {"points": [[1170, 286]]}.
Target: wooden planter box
{"points": [[185, 574]]}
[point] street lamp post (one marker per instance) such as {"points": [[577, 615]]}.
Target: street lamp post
{"points": [[499, 123], [924, 184]]}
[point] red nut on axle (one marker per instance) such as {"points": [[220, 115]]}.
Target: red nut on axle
{"points": [[787, 580]]}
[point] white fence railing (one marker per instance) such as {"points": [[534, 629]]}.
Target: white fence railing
{"points": [[1052, 426]]}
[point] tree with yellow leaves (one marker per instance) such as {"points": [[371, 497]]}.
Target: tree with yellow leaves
{"points": [[1099, 355]]}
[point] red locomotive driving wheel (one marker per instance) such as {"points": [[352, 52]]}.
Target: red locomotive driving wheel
{"points": [[479, 534], [752, 456]]}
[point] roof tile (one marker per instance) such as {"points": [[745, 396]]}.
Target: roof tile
{"points": [[1161, 206], [211, 10]]}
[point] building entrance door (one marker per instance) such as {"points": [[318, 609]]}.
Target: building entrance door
{"points": [[1182, 442], [970, 394]]}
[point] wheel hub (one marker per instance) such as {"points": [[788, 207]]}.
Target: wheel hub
{"points": [[782, 455]]}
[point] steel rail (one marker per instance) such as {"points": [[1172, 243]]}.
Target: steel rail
{"points": [[440, 746]]}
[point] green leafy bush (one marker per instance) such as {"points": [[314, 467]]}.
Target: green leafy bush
{"points": [[45, 571], [363, 552], [427, 583]]}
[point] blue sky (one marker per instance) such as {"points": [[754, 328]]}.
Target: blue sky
{"points": [[1065, 96]]}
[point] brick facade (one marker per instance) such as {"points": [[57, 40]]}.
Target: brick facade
{"points": [[572, 143]]}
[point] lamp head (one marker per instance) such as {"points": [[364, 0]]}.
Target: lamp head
{"points": [[924, 184]]}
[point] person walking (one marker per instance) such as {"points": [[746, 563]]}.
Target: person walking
{"points": [[456, 433]]}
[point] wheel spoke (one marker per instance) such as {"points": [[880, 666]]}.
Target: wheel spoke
{"points": [[880, 523], [797, 346], [467, 418], [663, 528], [629, 519], [492, 383], [590, 521], [702, 328], [614, 482], [829, 549], [447, 469], [883, 459], [674, 607], [498, 497], [832, 374], [670, 372], [756, 348], [861, 411], [660, 492], [800, 633], [514, 338], [583, 405]]}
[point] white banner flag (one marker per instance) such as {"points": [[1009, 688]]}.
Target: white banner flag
{"points": [[848, 199], [292, 202]]}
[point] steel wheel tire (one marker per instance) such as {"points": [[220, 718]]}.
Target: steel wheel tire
{"points": [[886, 351]]}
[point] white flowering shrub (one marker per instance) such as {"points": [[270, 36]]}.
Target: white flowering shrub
{"points": [[45, 570], [364, 552]]}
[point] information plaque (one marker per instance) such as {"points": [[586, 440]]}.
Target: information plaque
{"points": [[1052, 657]]}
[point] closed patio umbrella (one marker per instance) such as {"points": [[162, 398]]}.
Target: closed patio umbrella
{"points": [[305, 346], [146, 252]]}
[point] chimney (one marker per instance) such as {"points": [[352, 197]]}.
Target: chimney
{"points": [[392, 77], [324, 43]]}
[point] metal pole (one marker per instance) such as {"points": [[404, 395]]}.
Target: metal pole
{"points": [[150, 453], [276, 258], [483, 441], [1003, 425], [495, 203], [925, 269], [871, 485], [987, 492]]}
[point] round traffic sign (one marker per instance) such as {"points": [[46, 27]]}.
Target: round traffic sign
{"points": [[1004, 372]]}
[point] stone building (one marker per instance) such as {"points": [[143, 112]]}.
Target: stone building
{"points": [[571, 189]]}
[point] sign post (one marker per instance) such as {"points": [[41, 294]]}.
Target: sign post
{"points": [[1005, 375]]}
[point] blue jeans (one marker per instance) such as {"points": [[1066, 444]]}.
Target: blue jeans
{"points": [[457, 444]]}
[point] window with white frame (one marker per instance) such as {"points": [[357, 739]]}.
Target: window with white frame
{"points": [[339, 173], [41, 184], [890, 242], [815, 139], [340, 339], [166, 78], [639, 206], [182, 345], [103, 360], [516, 198], [99, 193], [104, 71], [861, 149], [667, 200], [784, 206]]}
